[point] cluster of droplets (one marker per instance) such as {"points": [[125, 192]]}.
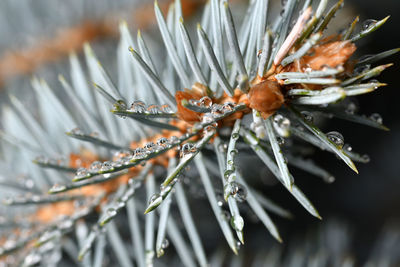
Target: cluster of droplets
{"points": [[352, 107], [218, 110], [126, 157], [214, 113], [140, 107], [23, 199]]}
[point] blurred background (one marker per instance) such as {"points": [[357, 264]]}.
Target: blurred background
{"points": [[37, 36]]}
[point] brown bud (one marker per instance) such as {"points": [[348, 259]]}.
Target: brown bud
{"points": [[266, 97]]}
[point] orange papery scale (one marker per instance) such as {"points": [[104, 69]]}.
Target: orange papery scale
{"points": [[331, 54]]}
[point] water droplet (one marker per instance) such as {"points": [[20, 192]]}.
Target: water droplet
{"points": [[220, 202], [76, 131], [330, 179], [280, 140], [238, 191], [95, 167], [209, 128], [205, 101], [106, 166], [120, 105], [174, 140], [217, 110], [234, 152], [153, 109], [207, 118], [308, 116], [149, 147], [162, 141], [336, 137], [42, 159], [32, 259], [138, 106], [35, 198], [235, 136], [361, 69], [66, 224], [116, 164], [135, 184], [155, 198], [8, 201], [237, 223], [164, 190], [222, 147], [228, 173], [111, 212], [57, 188], [187, 149], [347, 148], [282, 123], [166, 109], [165, 244], [194, 102], [365, 158], [375, 82], [94, 134], [228, 107], [368, 24], [351, 108], [376, 117], [29, 183], [140, 153], [225, 215]]}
